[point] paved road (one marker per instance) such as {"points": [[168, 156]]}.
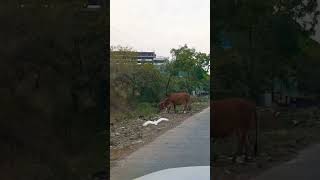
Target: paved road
{"points": [[186, 145], [305, 166]]}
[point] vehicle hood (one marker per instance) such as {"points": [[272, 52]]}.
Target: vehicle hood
{"points": [[181, 173]]}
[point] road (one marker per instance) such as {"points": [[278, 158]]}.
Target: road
{"points": [[185, 145], [305, 166]]}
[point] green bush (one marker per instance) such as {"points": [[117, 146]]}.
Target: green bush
{"points": [[146, 109]]}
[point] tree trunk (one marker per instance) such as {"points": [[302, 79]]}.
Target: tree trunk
{"points": [[78, 53], [168, 84], [37, 81], [74, 95], [272, 90], [188, 83], [75, 101], [250, 63], [272, 84]]}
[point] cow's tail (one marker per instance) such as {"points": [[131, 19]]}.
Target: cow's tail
{"points": [[257, 133]]}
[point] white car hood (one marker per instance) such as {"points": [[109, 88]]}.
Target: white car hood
{"points": [[182, 173]]}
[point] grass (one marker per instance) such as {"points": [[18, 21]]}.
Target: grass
{"points": [[140, 109], [147, 110]]}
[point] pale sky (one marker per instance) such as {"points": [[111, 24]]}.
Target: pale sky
{"points": [[160, 25]]}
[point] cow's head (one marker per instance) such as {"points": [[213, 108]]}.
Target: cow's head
{"points": [[268, 117], [163, 104], [275, 112]]}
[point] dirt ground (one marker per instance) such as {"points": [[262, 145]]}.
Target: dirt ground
{"points": [[295, 129], [128, 135]]}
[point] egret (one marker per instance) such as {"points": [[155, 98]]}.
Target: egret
{"points": [[155, 122]]}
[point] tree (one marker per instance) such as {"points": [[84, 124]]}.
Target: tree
{"points": [[307, 70], [265, 34], [190, 65], [132, 82]]}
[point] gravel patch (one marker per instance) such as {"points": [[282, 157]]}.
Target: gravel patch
{"points": [[128, 135], [298, 128]]}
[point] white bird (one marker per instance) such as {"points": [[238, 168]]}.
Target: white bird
{"points": [[155, 122]]}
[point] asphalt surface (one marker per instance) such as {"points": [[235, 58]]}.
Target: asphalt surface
{"points": [[305, 167], [186, 145]]}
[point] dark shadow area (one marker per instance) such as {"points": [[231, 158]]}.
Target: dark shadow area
{"points": [[265, 53], [53, 75]]}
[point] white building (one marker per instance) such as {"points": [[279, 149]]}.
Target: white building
{"points": [[160, 60]]}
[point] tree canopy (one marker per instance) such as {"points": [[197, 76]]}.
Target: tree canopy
{"points": [[267, 38]]}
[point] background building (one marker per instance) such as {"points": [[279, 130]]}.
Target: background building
{"points": [[146, 57], [143, 57], [160, 60]]}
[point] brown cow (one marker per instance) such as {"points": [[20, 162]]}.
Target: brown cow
{"points": [[181, 98], [235, 116]]}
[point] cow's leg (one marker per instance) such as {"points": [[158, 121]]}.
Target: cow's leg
{"points": [[247, 147], [214, 154], [189, 105], [185, 108], [241, 140], [174, 107], [235, 154]]}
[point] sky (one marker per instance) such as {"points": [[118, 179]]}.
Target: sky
{"points": [[160, 25]]}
